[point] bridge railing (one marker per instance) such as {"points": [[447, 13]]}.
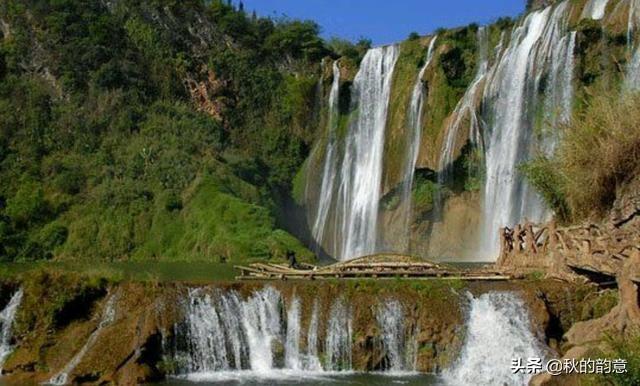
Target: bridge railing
{"points": [[591, 243]]}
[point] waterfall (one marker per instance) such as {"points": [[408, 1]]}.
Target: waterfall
{"points": [[498, 331], [7, 316], [632, 81], [414, 139], [361, 169], [398, 347], [223, 335], [338, 339], [292, 347], [537, 46], [108, 317], [261, 320], [206, 336], [594, 9], [312, 341], [559, 91], [466, 108], [330, 162]]}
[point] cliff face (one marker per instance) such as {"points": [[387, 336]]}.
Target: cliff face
{"points": [[137, 107], [484, 112]]}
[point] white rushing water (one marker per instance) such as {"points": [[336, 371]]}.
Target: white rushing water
{"points": [[338, 338], [226, 337], [399, 346], [7, 316], [108, 316], [540, 46], [466, 111], [595, 9], [498, 331], [313, 361], [329, 169], [632, 81], [413, 144], [292, 355], [361, 169]]}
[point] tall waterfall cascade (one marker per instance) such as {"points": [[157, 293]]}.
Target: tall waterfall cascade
{"points": [[398, 345], [595, 9], [413, 143], [466, 108], [540, 45], [512, 110], [108, 317], [329, 169], [7, 317], [498, 331], [358, 170], [265, 336], [632, 81]]}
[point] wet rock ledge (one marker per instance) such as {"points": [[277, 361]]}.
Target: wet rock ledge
{"points": [[126, 332]]}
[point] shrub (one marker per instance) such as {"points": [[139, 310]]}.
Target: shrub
{"points": [[599, 152], [628, 349], [543, 174], [27, 205]]}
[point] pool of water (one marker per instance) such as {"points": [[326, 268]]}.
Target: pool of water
{"points": [[286, 377]]}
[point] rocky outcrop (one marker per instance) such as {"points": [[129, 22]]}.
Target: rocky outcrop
{"points": [[607, 254], [626, 208], [623, 320], [532, 5]]}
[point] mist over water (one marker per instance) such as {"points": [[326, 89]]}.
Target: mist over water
{"points": [[498, 330]]}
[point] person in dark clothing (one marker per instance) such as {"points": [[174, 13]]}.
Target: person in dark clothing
{"points": [[291, 256]]}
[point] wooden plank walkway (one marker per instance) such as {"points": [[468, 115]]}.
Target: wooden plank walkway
{"points": [[373, 267]]}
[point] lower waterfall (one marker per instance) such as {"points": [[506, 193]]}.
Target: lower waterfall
{"points": [[259, 336], [7, 316], [108, 317], [498, 331], [264, 336], [399, 346]]}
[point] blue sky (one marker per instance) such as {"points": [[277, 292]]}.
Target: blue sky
{"points": [[386, 21]]}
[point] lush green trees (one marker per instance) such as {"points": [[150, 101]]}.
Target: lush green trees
{"points": [[103, 154]]}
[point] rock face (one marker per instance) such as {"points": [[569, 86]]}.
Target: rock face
{"points": [[604, 254], [626, 208], [532, 5], [599, 252], [143, 321]]}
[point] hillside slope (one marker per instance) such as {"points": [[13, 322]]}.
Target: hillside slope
{"points": [[155, 129]]}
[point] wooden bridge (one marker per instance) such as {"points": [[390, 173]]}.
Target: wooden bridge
{"points": [[382, 266], [586, 249]]}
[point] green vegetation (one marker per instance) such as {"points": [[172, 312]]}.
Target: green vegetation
{"points": [[456, 57], [151, 130], [600, 305], [53, 299], [599, 153], [348, 50], [411, 58], [424, 195], [117, 272], [468, 169], [627, 348]]}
